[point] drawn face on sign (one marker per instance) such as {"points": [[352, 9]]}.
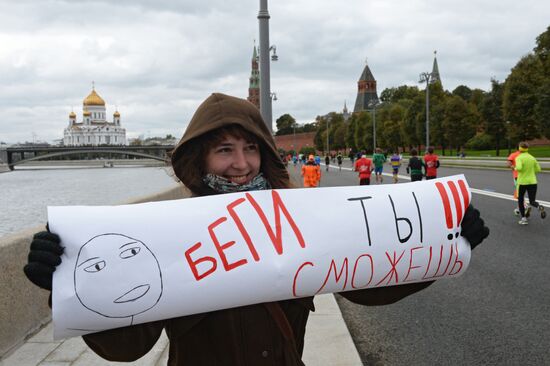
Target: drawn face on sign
{"points": [[117, 276]]}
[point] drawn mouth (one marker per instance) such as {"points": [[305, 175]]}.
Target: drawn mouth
{"points": [[133, 294]]}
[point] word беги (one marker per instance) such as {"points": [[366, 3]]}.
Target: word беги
{"points": [[276, 237]]}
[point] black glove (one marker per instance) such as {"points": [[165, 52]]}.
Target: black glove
{"points": [[44, 256], [473, 227]]}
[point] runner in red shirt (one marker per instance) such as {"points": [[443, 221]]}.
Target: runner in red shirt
{"points": [[364, 167], [432, 163]]}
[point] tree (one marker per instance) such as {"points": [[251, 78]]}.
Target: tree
{"points": [[393, 95], [410, 119], [459, 122], [285, 125], [464, 92], [542, 108], [521, 94], [392, 127], [491, 111]]}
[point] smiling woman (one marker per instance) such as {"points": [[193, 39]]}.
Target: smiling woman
{"points": [[235, 158]]}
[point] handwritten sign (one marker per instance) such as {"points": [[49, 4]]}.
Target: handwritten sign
{"points": [[138, 263]]}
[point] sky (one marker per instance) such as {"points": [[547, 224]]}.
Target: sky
{"points": [[156, 61]]}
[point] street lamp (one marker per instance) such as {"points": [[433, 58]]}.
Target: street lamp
{"points": [[508, 134], [273, 96], [372, 104], [328, 146], [427, 77], [264, 50]]}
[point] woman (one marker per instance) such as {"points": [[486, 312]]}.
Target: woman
{"points": [[228, 148]]}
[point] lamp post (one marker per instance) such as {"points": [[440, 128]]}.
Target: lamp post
{"points": [[264, 50], [294, 138], [328, 146], [427, 77], [508, 135], [373, 103]]}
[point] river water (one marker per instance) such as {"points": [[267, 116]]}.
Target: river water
{"points": [[25, 194]]}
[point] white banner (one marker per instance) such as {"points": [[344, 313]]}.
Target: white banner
{"points": [[139, 263]]}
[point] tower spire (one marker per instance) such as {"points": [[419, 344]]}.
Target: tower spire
{"points": [[366, 90], [435, 69], [254, 80]]}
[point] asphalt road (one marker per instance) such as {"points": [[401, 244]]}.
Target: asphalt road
{"points": [[497, 313]]}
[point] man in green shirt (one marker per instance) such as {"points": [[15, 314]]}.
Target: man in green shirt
{"points": [[527, 167], [378, 159]]}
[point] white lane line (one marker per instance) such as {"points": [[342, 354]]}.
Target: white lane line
{"points": [[474, 190]]}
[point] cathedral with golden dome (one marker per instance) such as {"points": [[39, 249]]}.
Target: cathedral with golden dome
{"points": [[94, 129]]}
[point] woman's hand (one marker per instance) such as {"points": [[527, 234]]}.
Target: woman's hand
{"points": [[44, 257], [473, 227]]}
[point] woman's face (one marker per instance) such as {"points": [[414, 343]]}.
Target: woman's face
{"points": [[235, 159]]}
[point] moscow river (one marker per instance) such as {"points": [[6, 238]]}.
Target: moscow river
{"points": [[25, 194]]}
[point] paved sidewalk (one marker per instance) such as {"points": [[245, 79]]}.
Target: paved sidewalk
{"points": [[327, 342]]}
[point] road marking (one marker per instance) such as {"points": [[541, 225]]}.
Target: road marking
{"points": [[503, 196]]}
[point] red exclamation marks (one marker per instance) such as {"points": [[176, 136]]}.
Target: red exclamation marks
{"points": [[446, 206], [465, 195], [460, 204]]}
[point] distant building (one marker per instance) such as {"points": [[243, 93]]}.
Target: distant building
{"points": [[435, 70], [345, 112], [254, 81], [366, 91], [94, 129]]}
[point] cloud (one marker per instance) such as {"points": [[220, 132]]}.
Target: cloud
{"points": [[157, 60]]}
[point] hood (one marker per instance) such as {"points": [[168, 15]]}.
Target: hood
{"points": [[220, 110]]}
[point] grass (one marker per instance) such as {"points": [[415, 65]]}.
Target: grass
{"points": [[536, 151]]}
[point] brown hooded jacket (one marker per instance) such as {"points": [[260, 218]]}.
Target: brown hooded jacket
{"points": [[255, 335]]}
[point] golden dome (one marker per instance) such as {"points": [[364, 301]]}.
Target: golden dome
{"points": [[72, 115], [116, 114], [87, 113], [93, 99]]}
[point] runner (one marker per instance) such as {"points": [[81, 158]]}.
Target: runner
{"points": [[339, 159], [512, 165], [527, 167], [311, 173], [415, 166], [327, 161], [431, 162], [378, 159], [395, 162], [364, 167]]}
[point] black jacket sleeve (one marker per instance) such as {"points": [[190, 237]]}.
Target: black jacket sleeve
{"points": [[384, 295]]}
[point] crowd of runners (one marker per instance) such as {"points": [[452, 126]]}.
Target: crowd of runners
{"points": [[523, 165]]}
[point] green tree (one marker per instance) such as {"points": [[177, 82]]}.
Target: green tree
{"points": [[392, 127], [491, 111], [393, 95], [459, 122], [521, 95], [464, 92], [350, 132], [408, 126], [542, 107], [285, 125]]}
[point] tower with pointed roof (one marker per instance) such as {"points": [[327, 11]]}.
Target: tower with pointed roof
{"points": [[435, 70], [94, 129], [366, 91], [345, 112], [254, 81]]}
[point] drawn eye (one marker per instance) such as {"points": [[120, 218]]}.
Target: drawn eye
{"points": [[96, 267], [130, 252]]}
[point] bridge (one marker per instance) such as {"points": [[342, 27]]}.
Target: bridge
{"points": [[13, 156]]}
